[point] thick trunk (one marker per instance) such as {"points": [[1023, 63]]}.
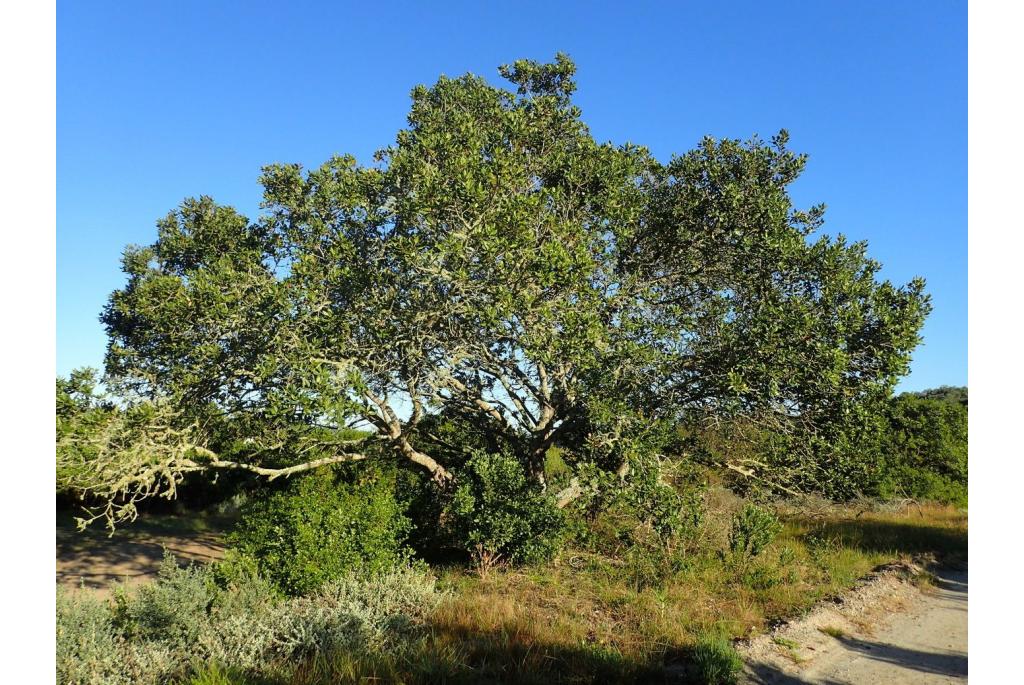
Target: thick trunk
{"points": [[543, 438], [438, 473]]}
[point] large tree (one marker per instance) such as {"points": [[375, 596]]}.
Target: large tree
{"points": [[500, 268]]}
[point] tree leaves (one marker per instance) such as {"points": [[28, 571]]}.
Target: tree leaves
{"points": [[502, 267]]}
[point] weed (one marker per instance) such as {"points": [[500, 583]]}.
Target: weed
{"points": [[716, 661], [832, 631], [753, 529]]}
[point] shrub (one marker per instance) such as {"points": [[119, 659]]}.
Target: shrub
{"points": [[761, 577], [87, 644], [162, 632], [753, 529], [670, 512], [321, 527], [172, 609], [924, 449], [496, 511], [715, 661]]}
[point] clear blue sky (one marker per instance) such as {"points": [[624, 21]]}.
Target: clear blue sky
{"points": [[158, 101]]}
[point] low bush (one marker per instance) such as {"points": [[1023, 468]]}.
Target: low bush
{"points": [[753, 529], [715, 661], [88, 646], [163, 631], [650, 520], [322, 526], [497, 512]]}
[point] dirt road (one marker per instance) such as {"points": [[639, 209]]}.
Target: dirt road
{"points": [[889, 632]]}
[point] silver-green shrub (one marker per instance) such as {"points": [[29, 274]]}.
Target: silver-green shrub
{"points": [[188, 617], [87, 644]]}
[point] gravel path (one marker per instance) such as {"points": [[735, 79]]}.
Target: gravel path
{"points": [[887, 632]]}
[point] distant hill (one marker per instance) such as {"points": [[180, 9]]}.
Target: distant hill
{"points": [[946, 393]]}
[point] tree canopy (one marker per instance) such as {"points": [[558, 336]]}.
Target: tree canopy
{"points": [[498, 268]]}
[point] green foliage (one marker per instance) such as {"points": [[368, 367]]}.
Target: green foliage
{"points": [[322, 526], [753, 529], [650, 519], [924, 449], [716, 661], [945, 393], [760, 577], [81, 411], [87, 643], [171, 610], [499, 267], [913, 445], [495, 507]]}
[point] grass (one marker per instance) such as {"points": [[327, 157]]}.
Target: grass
{"points": [[585, 618], [584, 604], [832, 631]]}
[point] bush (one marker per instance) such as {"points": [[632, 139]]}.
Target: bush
{"points": [[495, 510], [170, 610], [651, 519], [924, 451], [321, 527], [87, 644], [715, 661], [162, 632], [753, 529]]}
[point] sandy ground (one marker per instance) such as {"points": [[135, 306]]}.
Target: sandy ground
{"points": [[886, 631], [94, 560]]}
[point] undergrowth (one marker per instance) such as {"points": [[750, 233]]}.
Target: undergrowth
{"points": [[613, 607]]}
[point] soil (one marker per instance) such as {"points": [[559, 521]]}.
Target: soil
{"points": [[93, 559], [888, 630]]}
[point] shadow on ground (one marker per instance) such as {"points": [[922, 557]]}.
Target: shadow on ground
{"points": [[903, 537], [94, 559]]}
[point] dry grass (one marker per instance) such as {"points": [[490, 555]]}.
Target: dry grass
{"points": [[586, 603], [584, 619]]}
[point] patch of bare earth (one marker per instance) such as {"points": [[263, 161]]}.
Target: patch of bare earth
{"points": [[889, 629], [94, 560]]}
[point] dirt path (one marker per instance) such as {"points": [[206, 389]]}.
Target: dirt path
{"points": [[134, 553], [887, 631]]}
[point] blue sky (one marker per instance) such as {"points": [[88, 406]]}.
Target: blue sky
{"points": [[159, 101]]}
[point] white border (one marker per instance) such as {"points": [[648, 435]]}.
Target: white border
{"points": [[996, 188], [28, 182]]}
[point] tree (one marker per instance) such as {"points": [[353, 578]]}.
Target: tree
{"points": [[500, 268], [924, 451]]}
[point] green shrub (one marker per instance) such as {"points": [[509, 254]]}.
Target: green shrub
{"points": [[321, 527], [761, 577], [753, 529], [651, 564], [715, 661], [496, 510], [924, 449], [923, 484]]}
